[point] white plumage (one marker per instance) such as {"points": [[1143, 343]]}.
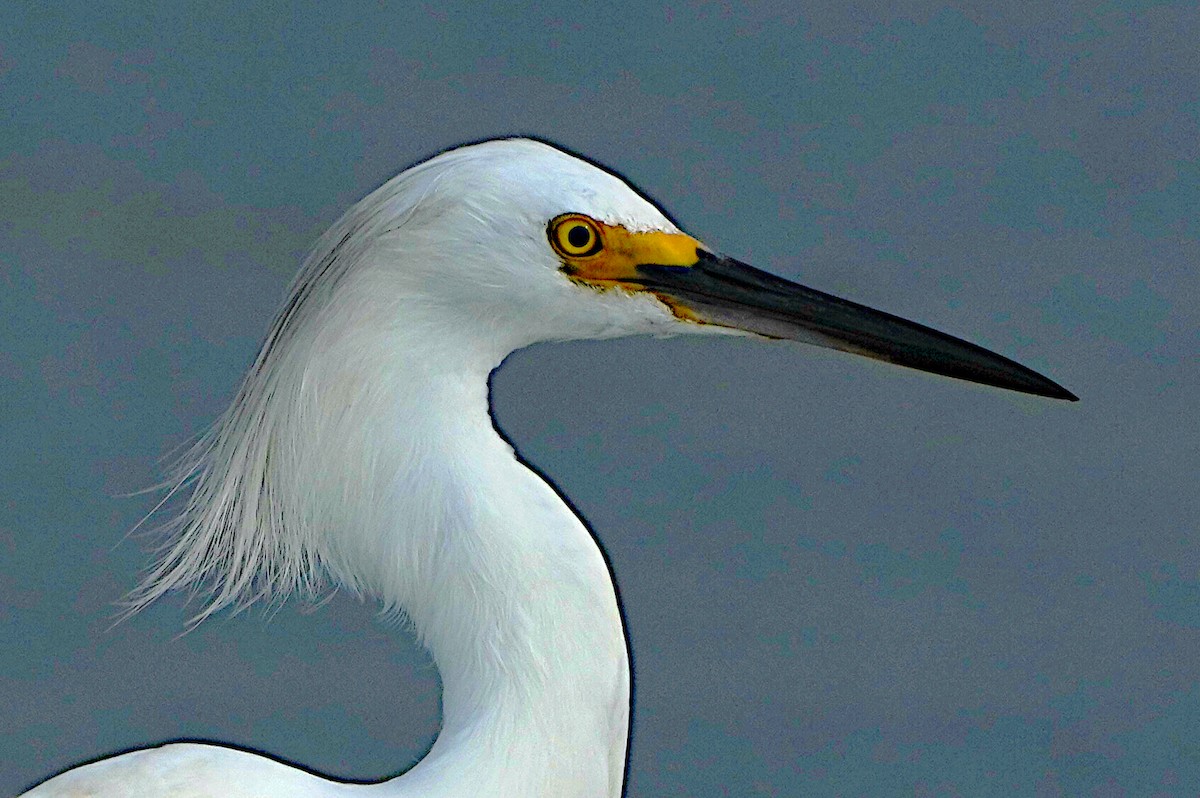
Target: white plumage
{"points": [[360, 450]]}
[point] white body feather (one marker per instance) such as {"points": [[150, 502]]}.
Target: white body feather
{"points": [[360, 449]]}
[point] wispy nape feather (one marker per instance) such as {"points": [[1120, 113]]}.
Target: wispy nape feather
{"points": [[246, 532]]}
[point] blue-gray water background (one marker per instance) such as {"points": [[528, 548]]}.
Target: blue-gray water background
{"points": [[840, 578]]}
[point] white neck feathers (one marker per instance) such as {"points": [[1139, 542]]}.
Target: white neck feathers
{"points": [[360, 450]]}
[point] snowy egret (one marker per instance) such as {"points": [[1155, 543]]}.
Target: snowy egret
{"points": [[360, 450]]}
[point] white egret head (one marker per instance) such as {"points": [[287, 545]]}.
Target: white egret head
{"points": [[515, 242], [487, 238]]}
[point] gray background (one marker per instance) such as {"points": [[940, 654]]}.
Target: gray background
{"points": [[840, 578]]}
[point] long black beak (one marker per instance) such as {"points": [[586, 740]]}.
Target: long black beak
{"points": [[729, 293]]}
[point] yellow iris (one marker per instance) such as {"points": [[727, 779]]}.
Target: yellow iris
{"points": [[575, 236]]}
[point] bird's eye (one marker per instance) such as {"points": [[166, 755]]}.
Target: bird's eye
{"points": [[574, 236]]}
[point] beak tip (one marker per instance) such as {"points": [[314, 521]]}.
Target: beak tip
{"points": [[1042, 386], [1063, 393]]}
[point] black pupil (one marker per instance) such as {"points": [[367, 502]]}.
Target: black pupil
{"points": [[579, 236]]}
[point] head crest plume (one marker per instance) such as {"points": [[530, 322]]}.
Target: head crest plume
{"points": [[245, 533]]}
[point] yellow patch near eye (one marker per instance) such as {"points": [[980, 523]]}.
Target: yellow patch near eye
{"points": [[612, 256]]}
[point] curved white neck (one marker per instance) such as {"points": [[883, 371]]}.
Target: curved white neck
{"points": [[360, 447], [512, 596]]}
